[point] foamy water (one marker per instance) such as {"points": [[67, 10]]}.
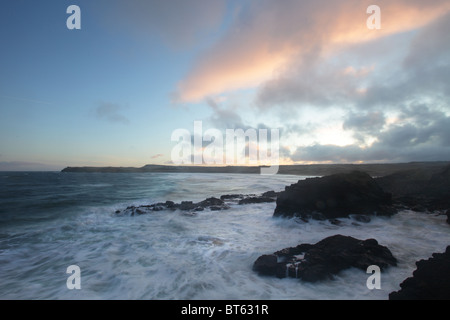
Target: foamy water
{"points": [[70, 220]]}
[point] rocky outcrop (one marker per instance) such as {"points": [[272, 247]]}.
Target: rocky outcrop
{"points": [[214, 204], [334, 196], [430, 281], [190, 207], [249, 200], [324, 259], [420, 189]]}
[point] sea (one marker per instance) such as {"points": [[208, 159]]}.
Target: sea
{"points": [[50, 221]]}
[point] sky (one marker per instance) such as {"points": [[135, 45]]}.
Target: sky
{"points": [[113, 92]]}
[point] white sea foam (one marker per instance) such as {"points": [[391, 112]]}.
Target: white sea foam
{"points": [[167, 255]]}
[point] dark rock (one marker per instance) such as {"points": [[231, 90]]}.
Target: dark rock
{"points": [[421, 189], [210, 202], [250, 200], [266, 264], [418, 208], [324, 259], [169, 204], [270, 194], [334, 196], [361, 218], [430, 281], [335, 221], [318, 216], [231, 196], [214, 204], [187, 205], [288, 253]]}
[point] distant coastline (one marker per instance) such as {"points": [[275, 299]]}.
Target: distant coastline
{"points": [[374, 169]]}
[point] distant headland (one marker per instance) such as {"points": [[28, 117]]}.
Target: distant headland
{"points": [[373, 169]]}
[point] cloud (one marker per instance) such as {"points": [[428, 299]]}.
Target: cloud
{"points": [[352, 154], [420, 133], [269, 39], [344, 93], [223, 117], [156, 156], [369, 122], [424, 72], [364, 124], [110, 112]]}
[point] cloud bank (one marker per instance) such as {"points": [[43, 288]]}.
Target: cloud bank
{"points": [[271, 41], [316, 68]]}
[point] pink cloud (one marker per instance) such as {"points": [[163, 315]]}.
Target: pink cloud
{"points": [[268, 37], [159, 155]]}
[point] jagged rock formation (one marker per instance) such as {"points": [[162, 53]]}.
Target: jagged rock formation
{"points": [[430, 281], [314, 262], [334, 196]]}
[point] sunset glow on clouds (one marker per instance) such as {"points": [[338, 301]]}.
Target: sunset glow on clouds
{"points": [[323, 58], [274, 35]]}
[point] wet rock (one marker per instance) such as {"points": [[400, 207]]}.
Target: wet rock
{"points": [[187, 205], [334, 196], [139, 211], [169, 204], [270, 194], [261, 199], [336, 222], [430, 281], [361, 218], [266, 264], [318, 216], [324, 259], [212, 203], [421, 189], [231, 196]]}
